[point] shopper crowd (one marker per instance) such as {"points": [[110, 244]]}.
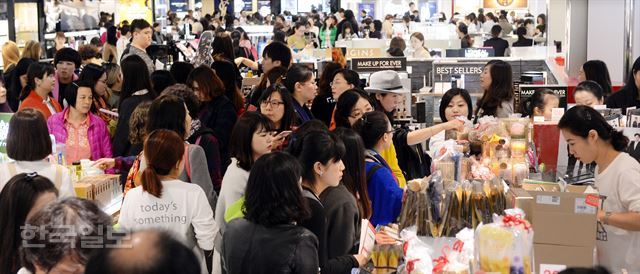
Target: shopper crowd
{"points": [[274, 181]]}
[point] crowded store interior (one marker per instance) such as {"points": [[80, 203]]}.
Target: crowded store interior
{"points": [[320, 136]]}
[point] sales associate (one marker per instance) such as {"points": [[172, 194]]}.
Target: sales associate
{"points": [[591, 138], [387, 92]]}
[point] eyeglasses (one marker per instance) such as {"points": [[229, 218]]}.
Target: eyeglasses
{"points": [[272, 103]]}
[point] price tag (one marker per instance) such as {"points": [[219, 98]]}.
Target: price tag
{"points": [[592, 200], [551, 268]]}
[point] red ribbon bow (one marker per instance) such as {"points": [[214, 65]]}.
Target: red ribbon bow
{"points": [[515, 220], [439, 264]]}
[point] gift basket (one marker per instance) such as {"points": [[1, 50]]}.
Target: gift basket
{"points": [[506, 245]]}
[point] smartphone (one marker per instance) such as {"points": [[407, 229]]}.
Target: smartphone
{"points": [[283, 134]]}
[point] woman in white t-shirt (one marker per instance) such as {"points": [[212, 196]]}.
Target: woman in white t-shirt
{"points": [[29, 146], [591, 138], [164, 202]]}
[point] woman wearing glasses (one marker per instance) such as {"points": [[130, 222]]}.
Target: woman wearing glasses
{"points": [[276, 103], [343, 80]]}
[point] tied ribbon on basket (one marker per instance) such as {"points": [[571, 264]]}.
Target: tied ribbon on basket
{"points": [[411, 265], [441, 262], [515, 220]]}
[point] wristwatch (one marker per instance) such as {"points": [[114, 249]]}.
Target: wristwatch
{"points": [[605, 220]]}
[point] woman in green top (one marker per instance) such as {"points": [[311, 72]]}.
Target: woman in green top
{"points": [[328, 31]]}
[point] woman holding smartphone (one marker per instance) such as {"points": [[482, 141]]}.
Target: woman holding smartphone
{"points": [[276, 103]]}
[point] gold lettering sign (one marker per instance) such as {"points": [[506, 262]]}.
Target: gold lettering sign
{"points": [[364, 52]]}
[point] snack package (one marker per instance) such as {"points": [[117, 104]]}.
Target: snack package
{"points": [[506, 245], [386, 258]]}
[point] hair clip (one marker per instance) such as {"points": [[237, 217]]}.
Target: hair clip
{"points": [[365, 119], [29, 176], [588, 116], [75, 84]]}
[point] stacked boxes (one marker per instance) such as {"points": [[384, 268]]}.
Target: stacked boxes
{"points": [[102, 189]]}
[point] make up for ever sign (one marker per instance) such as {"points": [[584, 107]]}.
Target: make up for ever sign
{"points": [[378, 64]]}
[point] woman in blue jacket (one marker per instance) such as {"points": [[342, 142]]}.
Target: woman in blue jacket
{"points": [[384, 192]]}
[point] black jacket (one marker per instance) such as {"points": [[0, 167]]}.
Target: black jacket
{"points": [[623, 99], [121, 145], [523, 43], [251, 248], [13, 94], [342, 229], [206, 138], [316, 224], [498, 44], [219, 115]]}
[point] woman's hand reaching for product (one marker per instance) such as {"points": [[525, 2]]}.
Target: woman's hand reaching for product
{"points": [[456, 124], [105, 163], [239, 61], [383, 238]]}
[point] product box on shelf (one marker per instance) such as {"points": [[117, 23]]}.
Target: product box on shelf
{"points": [[102, 189]]}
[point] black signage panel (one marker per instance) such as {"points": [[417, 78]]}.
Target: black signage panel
{"points": [[378, 64], [526, 91]]}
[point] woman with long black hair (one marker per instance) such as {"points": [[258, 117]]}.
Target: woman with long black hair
{"points": [[496, 81], [136, 88]]}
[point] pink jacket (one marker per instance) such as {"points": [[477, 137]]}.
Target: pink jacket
{"points": [[97, 134], [56, 86]]}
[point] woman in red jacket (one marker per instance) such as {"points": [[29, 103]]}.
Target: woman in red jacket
{"points": [[37, 93]]}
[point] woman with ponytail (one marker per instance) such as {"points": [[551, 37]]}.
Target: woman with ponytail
{"points": [[590, 139], [302, 85], [163, 201]]}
